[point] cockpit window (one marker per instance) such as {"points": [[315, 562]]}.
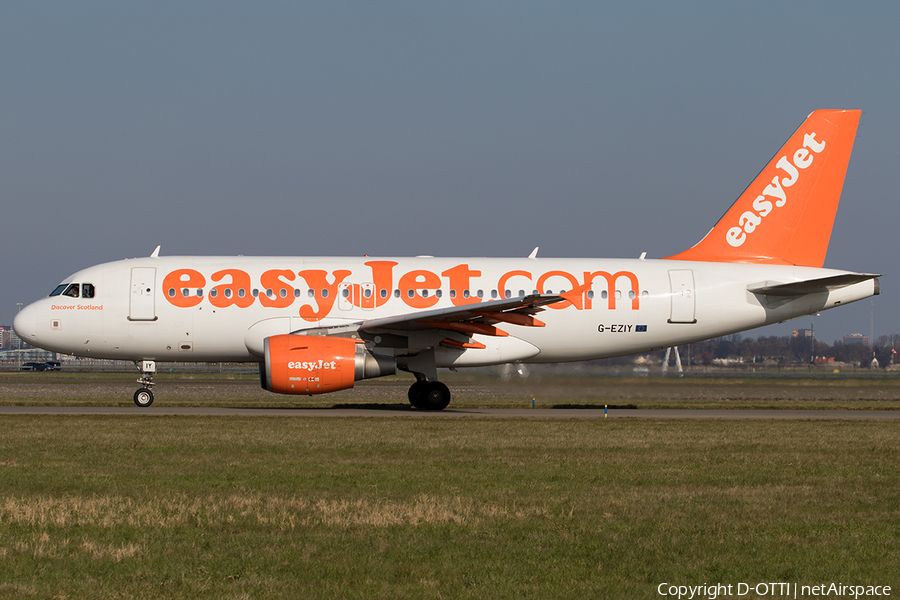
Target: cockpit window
{"points": [[72, 290]]}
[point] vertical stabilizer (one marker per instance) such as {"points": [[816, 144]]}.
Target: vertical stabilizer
{"points": [[785, 216]]}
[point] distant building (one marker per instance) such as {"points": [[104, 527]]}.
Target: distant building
{"points": [[856, 338], [802, 333], [9, 340]]}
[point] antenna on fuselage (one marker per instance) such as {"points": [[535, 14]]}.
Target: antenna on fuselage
{"points": [[534, 252], [155, 253]]}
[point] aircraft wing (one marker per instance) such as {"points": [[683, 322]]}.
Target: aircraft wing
{"points": [[478, 317], [518, 311]]}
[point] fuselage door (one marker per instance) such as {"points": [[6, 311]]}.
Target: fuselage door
{"points": [[345, 296], [367, 302], [142, 306], [683, 301]]}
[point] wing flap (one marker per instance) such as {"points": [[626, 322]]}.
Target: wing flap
{"points": [[512, 310]]}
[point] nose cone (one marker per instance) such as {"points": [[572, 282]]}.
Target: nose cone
{"points": [[25, 324]]}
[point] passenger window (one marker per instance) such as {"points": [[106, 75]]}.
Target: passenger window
{"points": [[453, 293], [383, 293], [87, 290], [493, 293], [171, 292], [283, 293], [367, 293], [324, 293], [296, 293], [480, 294], [396, 293], [465, 293], [254, 293], [310, 293], [438, 293], [72, 290]]}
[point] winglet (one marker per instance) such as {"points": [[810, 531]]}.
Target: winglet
{"points": [[786, 215]]}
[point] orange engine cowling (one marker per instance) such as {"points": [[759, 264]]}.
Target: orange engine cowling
{"points": [[307, 365]]}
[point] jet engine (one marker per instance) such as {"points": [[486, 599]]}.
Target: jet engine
{"points": [[308, 365]]}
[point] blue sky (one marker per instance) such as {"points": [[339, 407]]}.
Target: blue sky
{"points": [[453, 129]]}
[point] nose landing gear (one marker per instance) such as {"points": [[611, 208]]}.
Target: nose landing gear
{"points": [[144, 397]]}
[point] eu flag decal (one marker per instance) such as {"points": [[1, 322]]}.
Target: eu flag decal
{"points": [[640, 328]]}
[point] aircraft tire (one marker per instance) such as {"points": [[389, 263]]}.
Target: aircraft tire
{"points": [[434, 396], [415, 393], [143, 397]]}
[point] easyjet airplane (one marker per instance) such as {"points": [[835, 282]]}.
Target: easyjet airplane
{"points": [[316, 325]]}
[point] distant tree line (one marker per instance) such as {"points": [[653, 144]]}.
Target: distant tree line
{"points": [[786, 350]]}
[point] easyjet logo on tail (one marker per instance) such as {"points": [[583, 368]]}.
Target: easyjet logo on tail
{"points": [[774, 195]]}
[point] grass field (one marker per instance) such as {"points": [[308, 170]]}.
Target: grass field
{"points": [[198, 507]]}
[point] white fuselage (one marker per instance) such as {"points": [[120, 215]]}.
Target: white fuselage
{"points": [[622, 306]]}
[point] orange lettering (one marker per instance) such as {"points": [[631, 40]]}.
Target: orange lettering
{"points": [[272, 280], [318, 280], [501, 285], [575, 300], [611, 287], [383, 278], [238, 291], [177, 281], [415, 281], [459, 277]]}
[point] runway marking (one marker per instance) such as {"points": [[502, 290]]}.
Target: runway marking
{"points": [[507, 413]]}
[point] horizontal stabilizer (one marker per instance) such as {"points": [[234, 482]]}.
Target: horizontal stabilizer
{"points": [[814, 286]]}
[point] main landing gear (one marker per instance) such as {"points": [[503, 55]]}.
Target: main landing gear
{"points": [[428, 395], [144, 397]]}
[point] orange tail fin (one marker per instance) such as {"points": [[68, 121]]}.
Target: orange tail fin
{"points": [[786, 215]]}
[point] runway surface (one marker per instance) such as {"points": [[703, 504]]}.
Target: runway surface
{"points": [[507, 413]]}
